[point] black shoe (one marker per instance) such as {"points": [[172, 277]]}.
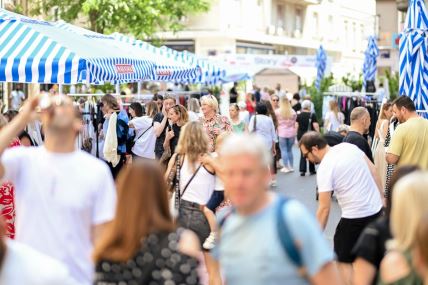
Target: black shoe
{"points": [[302, 174], [313, 173]]}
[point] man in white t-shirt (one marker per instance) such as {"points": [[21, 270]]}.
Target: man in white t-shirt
{"points": [[17, 96], [63, 196], [347, 171]]}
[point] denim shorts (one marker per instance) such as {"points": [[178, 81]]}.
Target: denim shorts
{"points": [[192, 218], [216, 198]]}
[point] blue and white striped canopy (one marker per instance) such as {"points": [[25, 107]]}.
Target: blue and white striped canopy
{"points": [[211, 73], [33, 51], [370, 61], [321, 65], [414, 55], [168, 67]]}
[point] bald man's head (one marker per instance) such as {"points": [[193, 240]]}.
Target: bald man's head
{"points": [[360, 120]]}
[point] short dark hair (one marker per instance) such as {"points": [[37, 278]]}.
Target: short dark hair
{"points": [[296, 96], [138, 109], [157, 97], [311, 139], [406, 102], [261, 108]]}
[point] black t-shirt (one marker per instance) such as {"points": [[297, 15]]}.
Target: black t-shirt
{"points": [[233, 95], [371, 243], [303, 121], [357, 139], [160, 139], [333, 138], [174, 141], [297, 107]]}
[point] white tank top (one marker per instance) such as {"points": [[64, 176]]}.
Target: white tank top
{"points": [[202, 186]]}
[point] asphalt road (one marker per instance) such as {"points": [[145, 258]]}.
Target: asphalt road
{"points": [[303, 189]]}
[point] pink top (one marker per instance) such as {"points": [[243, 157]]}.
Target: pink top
{"points": [[286, 127]]}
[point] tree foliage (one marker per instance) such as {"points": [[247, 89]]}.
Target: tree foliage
{"points": [[142, 18]]}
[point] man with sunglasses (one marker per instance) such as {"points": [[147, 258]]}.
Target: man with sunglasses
{"points": [[64, 196], [347, 171]]}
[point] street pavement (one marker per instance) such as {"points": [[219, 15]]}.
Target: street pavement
{"points": [[303, 189]]}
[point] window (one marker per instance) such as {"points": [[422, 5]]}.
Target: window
{"points": [[299, 20], [280, 16], [316, 25], [354, 35]]}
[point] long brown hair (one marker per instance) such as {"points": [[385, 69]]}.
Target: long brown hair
{"points": [[142, 208], [271, 113], [182, 112]]}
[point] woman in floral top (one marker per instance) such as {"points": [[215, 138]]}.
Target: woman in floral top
{"points": [[7, 195], [213, 123]]}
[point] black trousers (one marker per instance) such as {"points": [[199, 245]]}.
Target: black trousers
{"points": [[115, 170], [303, 166]]}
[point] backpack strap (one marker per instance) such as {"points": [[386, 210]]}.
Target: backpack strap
{"points": [[288, 243]]}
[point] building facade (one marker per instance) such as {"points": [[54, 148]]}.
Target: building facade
{"points": [[295, 27]]}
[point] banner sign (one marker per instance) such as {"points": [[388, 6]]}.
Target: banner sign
{"points": [[272, 61], [124, 68]]}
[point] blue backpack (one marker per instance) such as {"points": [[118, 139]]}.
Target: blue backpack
{"points": [[287, 242]]}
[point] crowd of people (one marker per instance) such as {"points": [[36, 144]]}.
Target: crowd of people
{"points": [[185, 192]]}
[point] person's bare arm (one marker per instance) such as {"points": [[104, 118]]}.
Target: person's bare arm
{"points": [[98, 230], [364, 272], [328, 274], [324, 204], [159, 127], [131, 125], [375, 177], [15, 127], [316, 127], [392, 158], [170, 165]]}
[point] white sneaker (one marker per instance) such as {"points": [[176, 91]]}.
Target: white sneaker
{"points": [[273, 183], [210, 241], [291, 169], [285, 170]]}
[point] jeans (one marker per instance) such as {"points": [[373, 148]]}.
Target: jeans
{"points": [[286, 146]]}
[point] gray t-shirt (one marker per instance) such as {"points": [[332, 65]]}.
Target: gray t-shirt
{"points": [[250, 251]]}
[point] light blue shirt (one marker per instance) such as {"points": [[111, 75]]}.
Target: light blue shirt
{"points": [[265, 128], [250, 251]]}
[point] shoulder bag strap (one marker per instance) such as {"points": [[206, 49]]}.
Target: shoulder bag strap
{"points": [[190, 180], [144, 132]]}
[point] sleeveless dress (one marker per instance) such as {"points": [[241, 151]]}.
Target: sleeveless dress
{"points": [[379, 156]]}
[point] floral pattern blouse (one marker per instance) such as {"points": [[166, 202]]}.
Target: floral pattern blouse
{"points": [[7, 202], [214, 127]]}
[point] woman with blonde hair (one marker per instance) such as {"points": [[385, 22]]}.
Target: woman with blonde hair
{"points": [[334, 118], [132, 247], [409, 200], [194, 184], [378, 148], [420, 251], [213, 123], [286, 132]]}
